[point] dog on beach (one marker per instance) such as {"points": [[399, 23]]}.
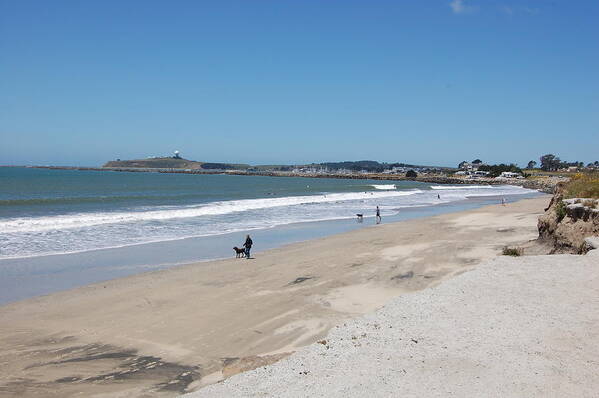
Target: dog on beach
{"points": [[239, 253]]}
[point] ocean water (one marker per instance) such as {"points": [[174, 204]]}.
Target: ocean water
{"points": [[48, 212], [61, 229]]}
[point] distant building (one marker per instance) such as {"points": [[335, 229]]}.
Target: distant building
{"points": [[395, 170], [470, 166], [509, 174], [176, 156], [467, 166]]}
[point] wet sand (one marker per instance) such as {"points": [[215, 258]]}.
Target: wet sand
{"points": [[172, 331]]}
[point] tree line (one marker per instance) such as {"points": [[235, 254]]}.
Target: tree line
{"points": [[550, 162]]}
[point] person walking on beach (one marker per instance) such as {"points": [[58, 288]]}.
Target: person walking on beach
{"points": [[248, 245], [378, 215]]}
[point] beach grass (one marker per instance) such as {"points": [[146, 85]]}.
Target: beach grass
{"points": [[543, 173], [583, 185], [512, 251]]}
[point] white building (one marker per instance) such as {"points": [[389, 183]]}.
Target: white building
{"points": [[470, 166], [509, 174]]}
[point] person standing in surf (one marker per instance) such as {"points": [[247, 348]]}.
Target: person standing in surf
{"points": [[378, 215], [248, 245]]}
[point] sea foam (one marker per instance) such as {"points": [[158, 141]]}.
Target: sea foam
{"points": [[83, 231], [77, 220]]}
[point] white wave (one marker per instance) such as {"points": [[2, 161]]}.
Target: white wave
{"points": [[384, 186], [46, 223], [104, 241]]}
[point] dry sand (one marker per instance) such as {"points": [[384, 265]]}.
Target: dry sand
{"points": [[512, 327], [166, 332]]}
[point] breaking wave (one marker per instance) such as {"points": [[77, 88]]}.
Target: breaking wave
{"points": [[79, 231], [384, 186], [25, 224]]}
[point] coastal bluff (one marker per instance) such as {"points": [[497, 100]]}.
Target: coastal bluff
{"points": [[568, 222]]}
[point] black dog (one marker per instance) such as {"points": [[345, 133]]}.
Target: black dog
{"points": [[239, 253]]}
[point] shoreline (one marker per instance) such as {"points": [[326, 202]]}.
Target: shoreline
{"points": [[172, 331], [64, 271]]}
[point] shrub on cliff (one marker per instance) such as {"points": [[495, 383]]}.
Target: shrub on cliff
{"points": [[411, 174], [560, 211]]}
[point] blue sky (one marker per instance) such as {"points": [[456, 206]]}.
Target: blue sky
{"points": [[289, 81]]}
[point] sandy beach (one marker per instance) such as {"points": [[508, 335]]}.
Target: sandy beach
{"points": [[168, 332], [512, 327]]}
